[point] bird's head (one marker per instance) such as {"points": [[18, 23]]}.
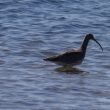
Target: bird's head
{"points": [[91, 37]]}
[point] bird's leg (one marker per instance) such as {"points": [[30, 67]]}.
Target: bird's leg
{"points": [[67, 67]]}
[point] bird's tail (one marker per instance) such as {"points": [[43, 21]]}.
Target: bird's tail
{"points": [[49, 59], [46, 59]]}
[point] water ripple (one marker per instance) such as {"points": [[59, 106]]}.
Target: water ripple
{"points": [[31, 30]]}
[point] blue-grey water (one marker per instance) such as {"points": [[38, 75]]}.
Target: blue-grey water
{"points": [[31, 30]]}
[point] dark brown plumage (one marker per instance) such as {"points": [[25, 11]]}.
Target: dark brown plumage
{"points": [[75, 57]]}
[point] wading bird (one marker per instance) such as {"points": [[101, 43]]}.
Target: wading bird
{"points": [[75, 57]]}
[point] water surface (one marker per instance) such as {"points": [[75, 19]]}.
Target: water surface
{"points": [[31, 30]]}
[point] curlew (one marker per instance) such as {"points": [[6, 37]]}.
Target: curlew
{"points": [[74, 57]]}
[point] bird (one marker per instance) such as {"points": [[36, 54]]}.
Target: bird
{"points": [[74, 57]]}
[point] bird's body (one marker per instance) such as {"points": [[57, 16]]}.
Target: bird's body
{"points": [[68, 58], [74, 57]]}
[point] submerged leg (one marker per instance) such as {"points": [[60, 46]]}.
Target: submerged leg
{"points": [[68, 67], [65, 68]]}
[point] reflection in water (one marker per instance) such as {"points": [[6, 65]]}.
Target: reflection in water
{"points": [[72, 70]]}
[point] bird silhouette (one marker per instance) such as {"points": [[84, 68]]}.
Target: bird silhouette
{"points": [[74, 57]]}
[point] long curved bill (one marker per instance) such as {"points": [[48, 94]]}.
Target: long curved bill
{"points": [[98, 43]]}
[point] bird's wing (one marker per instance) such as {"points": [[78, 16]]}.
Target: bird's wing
{"points": [[71, 55], [52, 58]]}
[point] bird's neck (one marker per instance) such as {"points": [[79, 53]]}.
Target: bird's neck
{"points": [[84, 45]]}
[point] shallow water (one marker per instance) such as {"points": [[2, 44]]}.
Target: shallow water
{"points": [[31, 30]]}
